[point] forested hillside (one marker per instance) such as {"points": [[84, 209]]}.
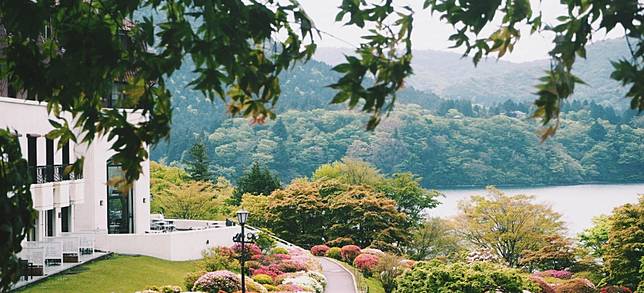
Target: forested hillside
{"points": [[450, 150]]}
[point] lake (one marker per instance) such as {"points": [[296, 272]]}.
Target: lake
{"points": [[577, 204]]}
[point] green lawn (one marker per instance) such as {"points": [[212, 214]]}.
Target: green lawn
{"points": [[371, 284], [117, 273]]}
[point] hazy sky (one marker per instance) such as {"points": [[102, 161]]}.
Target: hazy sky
{"points": [[430, 33]]}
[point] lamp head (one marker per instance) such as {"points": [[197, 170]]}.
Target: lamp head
{"points": [[242, 216]]}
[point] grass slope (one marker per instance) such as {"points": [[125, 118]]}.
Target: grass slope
{"points": [[371, 284], [117, 274]]}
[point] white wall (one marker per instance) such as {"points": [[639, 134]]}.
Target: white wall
{"points": [[176, 246]]}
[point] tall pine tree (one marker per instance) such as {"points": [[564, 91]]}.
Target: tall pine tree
{"points": [[258, 180], [197, 162]]}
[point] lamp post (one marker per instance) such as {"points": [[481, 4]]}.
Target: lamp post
{"points": [[242, 216]]}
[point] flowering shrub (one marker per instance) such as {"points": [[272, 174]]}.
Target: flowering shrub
{"points": [[319, 250], [217, 259], [289, 266], [335, 253], [271, 270], [263, 279], [366, 263], [282, 256], [615, 289], [304, 280], [564, 275], [252, 250], [576, 286], [252, 264], [349, 252], [373, 251], [190, 279], [296, 251], [270, 287], [318, 277], [218, 281], [279, 250], [545, 287], [482, 255], [290, 288]]}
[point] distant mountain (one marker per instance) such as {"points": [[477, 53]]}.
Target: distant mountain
{"points": [[452, 77]]}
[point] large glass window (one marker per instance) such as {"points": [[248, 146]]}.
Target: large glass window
{"points": [[120, 217], [65, 218]]}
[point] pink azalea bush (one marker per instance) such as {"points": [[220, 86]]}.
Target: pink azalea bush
{"points": [[252, 249], [407, 263], [289, 266], [217, 281], [271, 270], [545, 287], [319, 250], [373, 251], [615, 289], [349, 252], [366, 263], [282, 256]]}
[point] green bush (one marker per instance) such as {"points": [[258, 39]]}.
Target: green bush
{"points": [[263, 279], [217, 259], [270, 287], [335, 253], [264, 240], [478, 277], [190, 279], [279, 250]]}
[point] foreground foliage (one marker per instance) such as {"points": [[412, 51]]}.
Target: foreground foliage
{"points": [[436, 276]]}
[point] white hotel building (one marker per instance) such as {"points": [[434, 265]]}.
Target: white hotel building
{"points": [[68, 203], [71, 205]]}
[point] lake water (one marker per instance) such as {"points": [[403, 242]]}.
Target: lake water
{"points": [[577, 204]]}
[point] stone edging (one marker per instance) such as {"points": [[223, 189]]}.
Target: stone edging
{"points": [[355, 283]]}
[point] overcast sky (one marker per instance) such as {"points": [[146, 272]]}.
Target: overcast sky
{"points": [[430, 33]]}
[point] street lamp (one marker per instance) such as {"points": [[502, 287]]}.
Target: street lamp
{"points": [[242, 217]]}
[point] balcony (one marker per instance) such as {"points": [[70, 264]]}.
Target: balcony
{"points": [[52, 173]]}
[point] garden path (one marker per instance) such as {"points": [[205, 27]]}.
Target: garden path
{"points": [[339, 279]]}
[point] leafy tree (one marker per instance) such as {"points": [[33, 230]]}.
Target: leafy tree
{"points": [[163, 177], [16, 214], [596, 237], [479, 277], [508, 225], [366, 216], [197, 163], [411, 198], [556, 254], [349, 171], [623, 252], [192, 200], [434, 238], [258, 180]]}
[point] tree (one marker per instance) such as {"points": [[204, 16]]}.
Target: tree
{"points": [[197, 200], [597, 131], [623, 253], [508, 225], [411, 198], [258, 180], [349, 171], [557, 254], [596, 237], [434, 238], [16, 214], [197, 163], [367, 217]]}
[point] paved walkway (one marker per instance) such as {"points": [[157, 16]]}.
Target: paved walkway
{"points": [[340, 280]]}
